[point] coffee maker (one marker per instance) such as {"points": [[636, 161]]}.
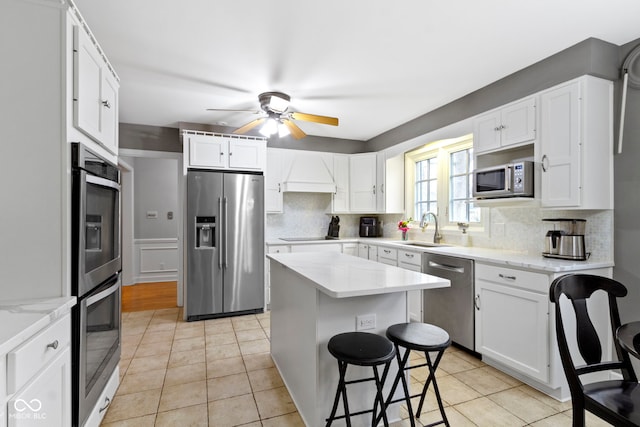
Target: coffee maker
{"points": [[566, 239]]}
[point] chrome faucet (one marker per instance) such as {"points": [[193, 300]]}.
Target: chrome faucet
{"points": [[437, 237]]}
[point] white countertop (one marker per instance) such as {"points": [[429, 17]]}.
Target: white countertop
{"points": [[495, 256], [20, 319], [340, 276]]}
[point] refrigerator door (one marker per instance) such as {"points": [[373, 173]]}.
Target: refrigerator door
{"points": [[243, 207], [204, 243]]}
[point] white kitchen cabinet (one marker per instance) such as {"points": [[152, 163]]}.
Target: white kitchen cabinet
{"points": [[95, 93], [368, 251], [362, 182], [410, 260], [225, 152], [512, 319], [388, 256], [576, 144], [273, 197], [307, 171], [272, 249], [319, 247], [39, 378], [506, 126], [389, 183], [340, 200], [350, 249]]}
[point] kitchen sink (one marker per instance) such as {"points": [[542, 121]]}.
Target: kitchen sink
{"points": [[423, 244]]}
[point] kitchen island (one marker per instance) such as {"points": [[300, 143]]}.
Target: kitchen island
{"points": [[316, 295]]}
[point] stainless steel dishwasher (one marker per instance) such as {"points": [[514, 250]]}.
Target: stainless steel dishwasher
{"points": [[451, 308]]}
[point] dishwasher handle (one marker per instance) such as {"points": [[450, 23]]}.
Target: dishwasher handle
{"points": [[446, 267], [476, 302]]}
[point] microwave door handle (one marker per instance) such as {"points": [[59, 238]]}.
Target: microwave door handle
{"points": [[507, 179]]}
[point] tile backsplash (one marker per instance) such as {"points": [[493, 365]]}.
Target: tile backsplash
{"points": [[511, 228]]}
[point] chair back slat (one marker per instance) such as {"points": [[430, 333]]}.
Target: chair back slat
{"points": [[586, 335]]}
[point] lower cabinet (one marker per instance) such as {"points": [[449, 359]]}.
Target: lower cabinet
{"points": [[412, 261], [368, 251], [388, 256], [350, 248]]}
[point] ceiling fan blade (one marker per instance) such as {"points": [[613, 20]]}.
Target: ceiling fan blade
{"points": [[246, 128], [296, 132], [235, 111], [333, 121]]}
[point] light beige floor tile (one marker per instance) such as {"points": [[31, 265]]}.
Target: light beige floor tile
{"points": [[140, 314], [147, 380], [452, 364], [501, 375], [145, 421], [254, 347], [131, 339], [183, 395], [186, 374], [251, 335], [166, 311], [289, 420], [222, 352], [265, 379], [274, 402], [165, 336], [454, 391], [233, 411], [229, 386], [124, 365], [148, 363], [221, 339], [258, 361], [133, 405], [547, 400], [242, 324], [482, 381], [468, 357], [265, 323], [454, 417], [558, 420], [224, 367], [522, 405], [153, 349], [188, 344], [182, 333], [182, 325], [190, 416], [218, 328], [157, 327], [181, 358], [128, 351], [486, 413]]}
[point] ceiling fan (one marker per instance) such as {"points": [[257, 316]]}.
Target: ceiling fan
{"points": [[278, 118]]}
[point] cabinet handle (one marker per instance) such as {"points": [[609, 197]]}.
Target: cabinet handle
{"points": [[279, 189], [502, 276], [382, 189], [386, 251], [230, 153], [374, 189], [106, 103], [545, 159], [477, 302], [502, 127], [497, 128], [107, 403], [409, 255], [53, 345]]}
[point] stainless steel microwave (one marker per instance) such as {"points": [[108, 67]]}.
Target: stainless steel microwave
{"points": [[510, 180]]}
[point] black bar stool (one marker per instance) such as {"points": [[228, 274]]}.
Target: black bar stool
{"points": [[363, 349], [421, 337]]}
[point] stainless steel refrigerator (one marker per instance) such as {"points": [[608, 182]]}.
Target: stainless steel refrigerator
{"points": [[225, 244]]}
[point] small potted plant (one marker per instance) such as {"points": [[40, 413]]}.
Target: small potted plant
{"points": [[403, 225]]}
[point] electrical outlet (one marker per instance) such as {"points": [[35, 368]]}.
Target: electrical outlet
{"points": [[365, 321]]}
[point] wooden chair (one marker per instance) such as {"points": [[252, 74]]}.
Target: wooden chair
{"points": [[615, 401]]}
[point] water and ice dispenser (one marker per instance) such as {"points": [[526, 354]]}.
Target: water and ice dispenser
{"points": [[205, 232]]}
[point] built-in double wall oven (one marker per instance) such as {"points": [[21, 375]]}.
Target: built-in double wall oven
{"points": [[96, 266]]}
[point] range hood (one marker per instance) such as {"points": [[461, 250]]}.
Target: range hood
{"points": [[308, 172]]}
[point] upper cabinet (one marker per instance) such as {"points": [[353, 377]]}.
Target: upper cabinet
{"points": [[273, 200], [510, 125], [363, 182], [576, 144], [340, 201], [390, 183], [95, 92], [211, 151]]}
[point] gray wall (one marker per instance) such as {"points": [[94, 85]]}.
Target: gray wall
{"points": [[627, 202], [154, 138], [155, 189]]}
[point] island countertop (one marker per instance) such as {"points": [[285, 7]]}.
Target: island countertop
{"points": [[340, 276]]}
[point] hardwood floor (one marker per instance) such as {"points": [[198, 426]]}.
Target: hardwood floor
{"points": [[149, 296]]}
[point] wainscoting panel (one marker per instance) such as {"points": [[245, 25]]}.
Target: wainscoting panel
{"points": [[156, 260]]}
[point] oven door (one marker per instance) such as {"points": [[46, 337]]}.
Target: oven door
{"points": [[98, 351], [98, 230]]}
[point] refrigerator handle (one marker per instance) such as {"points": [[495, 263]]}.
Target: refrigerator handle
{"points": [[225, 231], [220, 234]]}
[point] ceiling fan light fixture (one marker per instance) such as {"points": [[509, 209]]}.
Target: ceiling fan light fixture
{"points": [[269, 128], [276, 102], [283, 130]]}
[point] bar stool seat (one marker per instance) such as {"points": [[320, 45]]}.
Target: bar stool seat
{"points": [[420, 337], [362, 349]]}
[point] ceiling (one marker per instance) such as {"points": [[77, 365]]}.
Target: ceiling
{"points": [[374, 64]]}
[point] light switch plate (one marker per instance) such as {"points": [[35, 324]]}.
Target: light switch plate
{"points": [[152, 214], [365, 321]]}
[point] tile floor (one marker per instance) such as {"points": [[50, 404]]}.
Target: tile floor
{"points": [[219, 373]]}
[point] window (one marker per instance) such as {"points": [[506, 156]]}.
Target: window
{"points": [[439, 180]]}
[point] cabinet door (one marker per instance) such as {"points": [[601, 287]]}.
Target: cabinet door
{"points": [[46, 400], [350, 248], [246, 154], [273, 197], [362, 181], [341, 178], [87, 80], [560, 151], [208, 151], [109, 116], [363, 250], [512, 327], [518, 122], [486, 132]]}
